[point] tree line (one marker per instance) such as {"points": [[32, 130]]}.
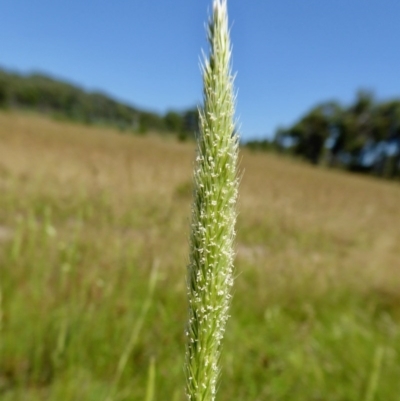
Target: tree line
{"points": [[66, 101], [365, 136]]}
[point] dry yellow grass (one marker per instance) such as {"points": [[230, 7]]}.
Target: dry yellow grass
{"points": [[347, 225], [352, 222]]}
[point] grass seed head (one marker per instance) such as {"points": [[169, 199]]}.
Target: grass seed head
{"points": [[210, 270]]}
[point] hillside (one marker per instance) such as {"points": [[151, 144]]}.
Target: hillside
{"points": [[87, 216], [63, 100]]}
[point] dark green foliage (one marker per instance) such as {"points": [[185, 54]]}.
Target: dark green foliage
{"points": [[259, 144], [66, 101], [364, 136], [186, 124], [174, 121], [3, 91]]}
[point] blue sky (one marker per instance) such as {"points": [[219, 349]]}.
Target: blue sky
{"points": [[288, 54]]}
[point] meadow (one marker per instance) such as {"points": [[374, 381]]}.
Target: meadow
{"points": [[94, 229]]}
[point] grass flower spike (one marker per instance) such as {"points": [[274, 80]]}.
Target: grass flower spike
{"points": [[210, 270]]}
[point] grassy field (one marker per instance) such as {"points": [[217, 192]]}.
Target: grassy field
{"points": [[93, 250]]}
